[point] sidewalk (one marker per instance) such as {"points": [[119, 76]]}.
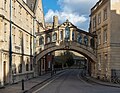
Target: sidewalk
{"points": [[17, 88], [110, 84]]}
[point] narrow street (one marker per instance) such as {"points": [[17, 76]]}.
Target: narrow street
{"points": [[71, 82]]}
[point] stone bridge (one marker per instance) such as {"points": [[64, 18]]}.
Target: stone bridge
{"points": [[67, 37]]}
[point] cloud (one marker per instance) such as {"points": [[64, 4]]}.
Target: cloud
{"points": [[77, 11], [79, 6], [74, 18]]}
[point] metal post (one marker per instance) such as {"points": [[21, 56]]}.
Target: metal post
{"points": [[79, 64], [40, 66], [34, 45], [51, 69], [22, 84]]}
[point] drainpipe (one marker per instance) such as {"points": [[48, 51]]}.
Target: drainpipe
{"points": [[34, 46], [10, 45]]}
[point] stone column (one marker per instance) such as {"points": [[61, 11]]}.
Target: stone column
{"points": [[55, 21], [89, 38], [71, 34], [82, 38], [75, 36], [63, 34]]}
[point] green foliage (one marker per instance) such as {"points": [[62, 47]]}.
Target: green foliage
{"points": [[66, 59], [69, 59]]}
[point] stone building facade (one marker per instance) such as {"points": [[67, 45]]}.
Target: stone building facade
{"points": [[19, 21], [104, 22]]}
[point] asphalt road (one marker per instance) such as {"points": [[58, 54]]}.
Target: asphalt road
{"points": [[71, 82]]}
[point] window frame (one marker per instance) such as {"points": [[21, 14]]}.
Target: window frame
{"points": [[105, 13], [94, 22], [99, 18], [41, 40], [54, 36], [105, 35]]}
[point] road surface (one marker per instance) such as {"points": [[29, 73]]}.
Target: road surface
{"points": [[71, 82]]}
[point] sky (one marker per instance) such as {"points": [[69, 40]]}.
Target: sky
{"points": [[76, 11]]}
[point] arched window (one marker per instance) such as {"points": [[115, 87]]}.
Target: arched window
{"points": [[73, 35], [85, 40], [27, 65], [20, 68], [48, 39], [14, 68], [79, 38], [54, 36], [31, 63], [92, 42], [61, 35], [67, 33], [41, 40]]}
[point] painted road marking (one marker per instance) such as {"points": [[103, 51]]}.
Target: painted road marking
{"points": [[47, 84]]}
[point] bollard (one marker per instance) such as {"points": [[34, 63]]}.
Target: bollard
{"points": [[55, 71], [22, 84], [51, 73]]}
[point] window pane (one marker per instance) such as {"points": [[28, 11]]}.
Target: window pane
{"points": [[54, 36], [79, 39], [85, 40], [73, 35], [41, 40], [67, 33]]}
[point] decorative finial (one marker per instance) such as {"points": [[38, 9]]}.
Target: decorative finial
{"points": [[67, 20]]}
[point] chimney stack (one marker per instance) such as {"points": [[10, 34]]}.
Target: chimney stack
{"points": [[55, 21]]}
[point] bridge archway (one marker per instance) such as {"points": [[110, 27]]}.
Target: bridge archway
{"points": [[86, 51]]}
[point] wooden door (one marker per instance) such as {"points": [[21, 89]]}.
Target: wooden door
{"points": [[4, 73]]}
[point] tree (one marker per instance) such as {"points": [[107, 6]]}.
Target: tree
{"points": [[69, 59], [64, 59]]}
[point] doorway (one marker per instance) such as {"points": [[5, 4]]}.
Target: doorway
{"points": [[4, 72]]}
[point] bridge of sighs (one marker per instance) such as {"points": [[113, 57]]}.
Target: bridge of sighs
{"points": [[67, 37]]}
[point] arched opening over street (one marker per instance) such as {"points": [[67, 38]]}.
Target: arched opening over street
{"points": [[85, 51], [88, 53]]}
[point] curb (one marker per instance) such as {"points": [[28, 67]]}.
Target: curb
{"points": [[117, 86], [2, 87], [26, 91]]}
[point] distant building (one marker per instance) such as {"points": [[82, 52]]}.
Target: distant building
{"points": [[55, 23], [49, 25], [105, 23]]}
